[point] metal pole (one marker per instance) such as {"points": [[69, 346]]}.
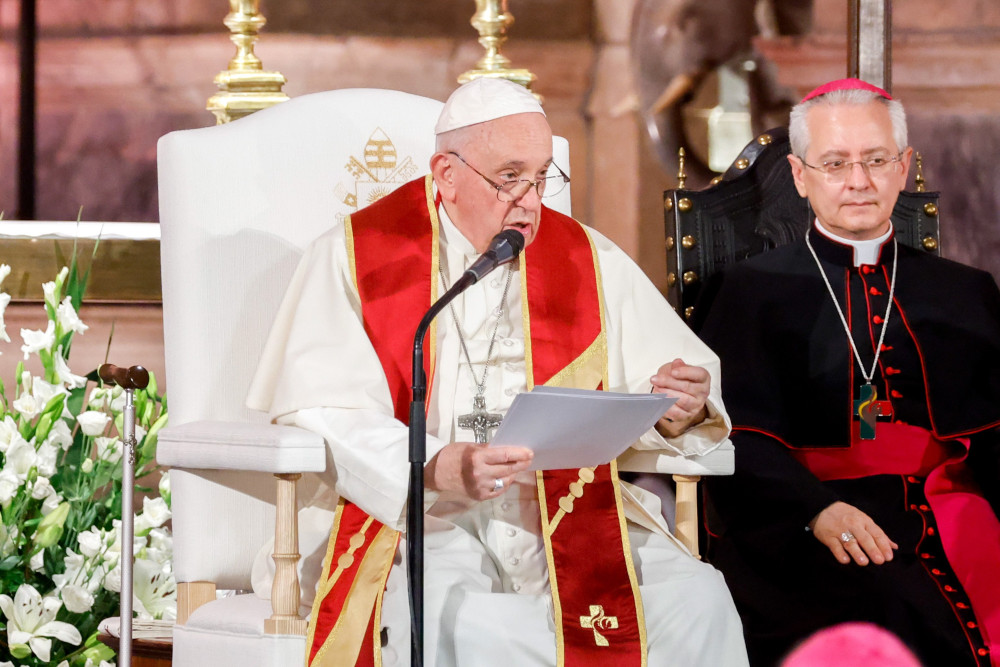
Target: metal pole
{"points": [[128, 532]]}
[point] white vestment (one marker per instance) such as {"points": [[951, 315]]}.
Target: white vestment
{"points": [[486, 581]]}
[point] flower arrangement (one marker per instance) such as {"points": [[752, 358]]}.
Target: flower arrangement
{"points": [[61, 497]]}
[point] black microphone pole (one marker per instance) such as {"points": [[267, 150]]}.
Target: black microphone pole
{"points": [[504, 248]]}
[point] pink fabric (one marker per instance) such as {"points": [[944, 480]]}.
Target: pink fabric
{"points": [[970, 534], [846, 84], [852, 644]]}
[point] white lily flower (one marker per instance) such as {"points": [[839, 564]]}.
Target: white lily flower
{"points": [[77, 599], [68, 319], [8, 432], [31, 621], [60, 436], [161, 546], [156, 511], [87, 466], [65, 374], [37, 561], [47, 456], [98, 399], [154, 591], [6, 541], [164, 486], [50, 503], [4, 272], [49, 290], [74, 563], [7, 664], [109, 449], [117, 403], [92, 423], [42, 488], [35, 395], [9, 484], [36, 340], [91, 541], [21, 458], [4, 302]]}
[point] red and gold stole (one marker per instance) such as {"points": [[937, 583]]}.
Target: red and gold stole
{"points": [[594, 590]]}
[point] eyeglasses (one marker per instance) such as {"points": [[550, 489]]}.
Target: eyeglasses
{"points": [[875, 166], [513, 189]]}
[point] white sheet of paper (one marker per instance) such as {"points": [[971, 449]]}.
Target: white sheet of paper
{"points": [[578, 428]]}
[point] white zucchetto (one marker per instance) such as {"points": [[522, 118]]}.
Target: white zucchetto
{"points": [[485, 99]]}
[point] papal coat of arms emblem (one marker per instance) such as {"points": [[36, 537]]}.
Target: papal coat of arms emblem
{"points": [[375, 175]]}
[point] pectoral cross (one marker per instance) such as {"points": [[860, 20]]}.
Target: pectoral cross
{"points": [[868, 408], [479, 421]]}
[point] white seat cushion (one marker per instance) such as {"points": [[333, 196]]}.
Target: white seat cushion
{"points": [[230, 632]]}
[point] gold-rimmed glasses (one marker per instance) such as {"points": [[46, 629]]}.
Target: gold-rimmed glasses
{"points": [[513, 189]]}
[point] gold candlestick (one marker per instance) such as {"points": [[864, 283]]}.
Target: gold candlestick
{"points": [[245, 87], [491, 20]]}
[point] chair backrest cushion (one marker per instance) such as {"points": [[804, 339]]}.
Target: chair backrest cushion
{"points": [[239, 203]]}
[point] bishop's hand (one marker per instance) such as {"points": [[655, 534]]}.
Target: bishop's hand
{"points": [[849, 533], [472, 470], [690, 385]]}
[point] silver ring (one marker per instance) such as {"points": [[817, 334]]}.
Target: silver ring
{"points": [[846, 536], [498, 484]]}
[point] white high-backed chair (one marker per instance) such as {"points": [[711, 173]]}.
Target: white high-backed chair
{"points": [[238, 205]]}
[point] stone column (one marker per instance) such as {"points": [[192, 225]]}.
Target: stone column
{"points": [[625, 183]]}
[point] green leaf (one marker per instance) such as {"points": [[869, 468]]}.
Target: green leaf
{"points": [[75, 401], [152, 436], [152, 388], [97, 653], [147, 412], [9, 562], [65, 342]]}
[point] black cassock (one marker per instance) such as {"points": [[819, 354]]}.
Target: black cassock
{"points": [[790, 382]]}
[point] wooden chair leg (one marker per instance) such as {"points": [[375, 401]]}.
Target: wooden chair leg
{"points": [[190, 596], [686, 529], [285, 595]]}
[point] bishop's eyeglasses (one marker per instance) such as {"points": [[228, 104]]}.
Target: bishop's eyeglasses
{"points": [[510, 190], [874, 166]]}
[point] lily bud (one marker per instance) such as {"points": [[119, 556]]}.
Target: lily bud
{"points": [[51, 528]]}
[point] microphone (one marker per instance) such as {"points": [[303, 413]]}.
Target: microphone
{"points": [[503, 249]]}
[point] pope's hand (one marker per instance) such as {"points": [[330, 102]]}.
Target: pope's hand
{"points": [[472, 470], [690, 385], [865, 540]]}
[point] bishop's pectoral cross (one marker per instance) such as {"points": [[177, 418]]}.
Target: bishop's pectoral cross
{"points": [[868, 408], [479, 421]]}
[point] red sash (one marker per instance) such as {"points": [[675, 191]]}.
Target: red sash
{"points": [[968, 528], [394, 254], [595, 593]]}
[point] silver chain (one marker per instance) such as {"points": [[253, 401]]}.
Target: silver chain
{"points": [[843, 320], [480, 384]]}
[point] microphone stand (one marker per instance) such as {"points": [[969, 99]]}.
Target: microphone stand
{"points": [[504, 248], [418, 456], [129, 379]]}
